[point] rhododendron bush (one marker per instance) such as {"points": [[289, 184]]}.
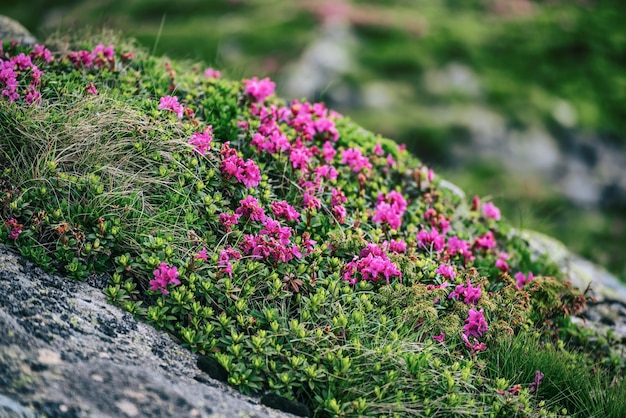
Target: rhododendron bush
{"points": [[308, 257]]}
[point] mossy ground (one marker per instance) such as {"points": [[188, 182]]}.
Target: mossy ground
{"points": [[382, 297]]}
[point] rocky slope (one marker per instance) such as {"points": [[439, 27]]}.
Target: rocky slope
{"points": [[66, 352]]}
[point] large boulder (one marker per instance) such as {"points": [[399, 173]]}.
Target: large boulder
{"points": [[66, 352]]}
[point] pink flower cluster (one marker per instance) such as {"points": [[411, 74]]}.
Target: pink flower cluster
{"points": [[171, 103], [491, 211], [16, 228], [226, 255], [250, 208], [430, 240], [15, 70], [485, 241], [164, 276], [372, 264], [356, 160], [230, 219], [501, 263], [269, 247], [246, 172], [446, 271], [522, 279], [470, 293], [284, 210], [99, 57], [41, 52], [201, 141], [259, 89], [211, 73], [390, 209], [458, 246], [475, 324]]}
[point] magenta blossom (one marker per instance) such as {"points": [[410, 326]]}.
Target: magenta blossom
{"points": [[355, 160], [211, 73], [501, 263], [164, 276], [91, 89], [372, 265], [171, 103], [491, 211], [446, 271], [259, 89], [475, 324], [228, 220], [439, 338], [250, 208], [430, 240], [522, 279], [485, 241], [16, 228], [202, 255], [201, 142], [284, 210]]}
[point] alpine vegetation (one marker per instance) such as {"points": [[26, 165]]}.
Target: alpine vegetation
{"points": [[306, 257]]}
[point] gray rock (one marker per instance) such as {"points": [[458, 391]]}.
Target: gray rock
{"points": [[66, 352], [12, 30], [607, 311]]}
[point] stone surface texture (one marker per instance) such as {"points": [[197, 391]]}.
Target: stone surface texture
{"points": [[66, 352]]}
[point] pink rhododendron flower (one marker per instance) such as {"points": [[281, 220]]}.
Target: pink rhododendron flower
{"points": [[373, 266], [535, 385], [338, 198], [470, 293], [102, 55], [246, 172], [228, 220], [501, 263], [327, 126], [164, 276], [390, 209], [476, 346], [326, 172], [485, 241], [201, 142], [91, 89], [475, 324], [522, 279], [16, 228], [250, 208], [491, 211], [211, 73], [259, 89], [340, 213], [202, 254], [266, 247], [378, 150], [328, 152], [430, 240], [171, 103], [355, 160], [284, 210], [439, 338], [457, 246], [446, 271], [40, 51], [398, 246], [226, 255]]}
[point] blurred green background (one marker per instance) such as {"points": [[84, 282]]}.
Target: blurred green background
{"points": [[519, 101]]}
